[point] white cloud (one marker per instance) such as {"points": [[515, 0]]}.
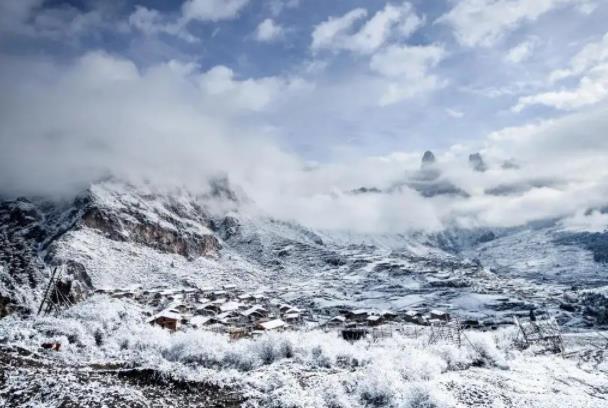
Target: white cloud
{"points": [[590, 64], [521, 52], [406, 61], [168, 122], [592, 88], [392, 22], [400, 71], [407, 70], [150, 21], [277, 6], [248, 94], [591, 55], [326, 34], [575, 136], [268, 31], [212, 10], [484, 22], [586, 221], [453, 113]]}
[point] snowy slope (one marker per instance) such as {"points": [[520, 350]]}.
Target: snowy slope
{"points": [[116, 235]]}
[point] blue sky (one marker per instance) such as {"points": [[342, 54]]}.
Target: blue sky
{"points": [[300, 102], [464, 92]]}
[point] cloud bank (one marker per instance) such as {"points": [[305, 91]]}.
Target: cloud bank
{"points": [[63, 126], [184, 92]]}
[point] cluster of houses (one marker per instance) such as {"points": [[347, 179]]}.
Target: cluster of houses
{"points": [[350, 318], [224, 310], [242, 314]]}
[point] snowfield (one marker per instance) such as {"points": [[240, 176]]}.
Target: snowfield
{"points": [[136, 244], [110, 356]]}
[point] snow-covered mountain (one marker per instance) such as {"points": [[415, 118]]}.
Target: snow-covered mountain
{"points": [[117, 235]]}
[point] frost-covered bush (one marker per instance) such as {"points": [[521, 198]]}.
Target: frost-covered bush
{"points": [[420, 365], [98, 335], [334, 395], [241, 361], [266, 350], [455, 358], [196, 348], [284, 369], [65, 331], [425, 395], [281, 390], [506, 339], [487, 353], [379, 386], [319, 358]]}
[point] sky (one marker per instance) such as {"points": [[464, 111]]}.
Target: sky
{"points": [[307, 99]]}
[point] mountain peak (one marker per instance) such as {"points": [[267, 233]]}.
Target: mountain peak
{"points": [[428, 159]]}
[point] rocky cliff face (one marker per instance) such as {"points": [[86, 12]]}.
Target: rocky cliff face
{"points": [[174, 222], [31, 232], [165, 234], [21, 233]]}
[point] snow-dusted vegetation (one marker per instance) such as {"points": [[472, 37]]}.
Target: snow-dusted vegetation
{"points": [[298, 368]]}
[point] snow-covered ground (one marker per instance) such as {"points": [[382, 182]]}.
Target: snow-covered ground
{"points": [[106, 343], [110, 356]]}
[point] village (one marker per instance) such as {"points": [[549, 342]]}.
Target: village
{"points": [[242, 314]]}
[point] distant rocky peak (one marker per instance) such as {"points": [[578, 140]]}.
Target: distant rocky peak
{"points": [[428, 159], [477, 163], [428, 168]]}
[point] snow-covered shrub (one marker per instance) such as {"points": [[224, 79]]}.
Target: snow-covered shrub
{"points": [[98, 335], [425, 395], [319, 359], [419, 365], [65, 331], [376, 392], [105, 311], [138, 340], [334, 394], [272, 347], [266, 351], [455, 358], [286, 349], [347, 361], [197, 348], [241, 361], [485, 348], [282, 390], [506, 339], [380, 384]]}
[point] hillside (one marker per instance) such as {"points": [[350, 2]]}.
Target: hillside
{"points": [[126, 252]]}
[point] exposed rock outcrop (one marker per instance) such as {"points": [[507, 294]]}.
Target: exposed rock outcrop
{"points": [[229, 227], [428, 159], [165, 238], [428, 181]]}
